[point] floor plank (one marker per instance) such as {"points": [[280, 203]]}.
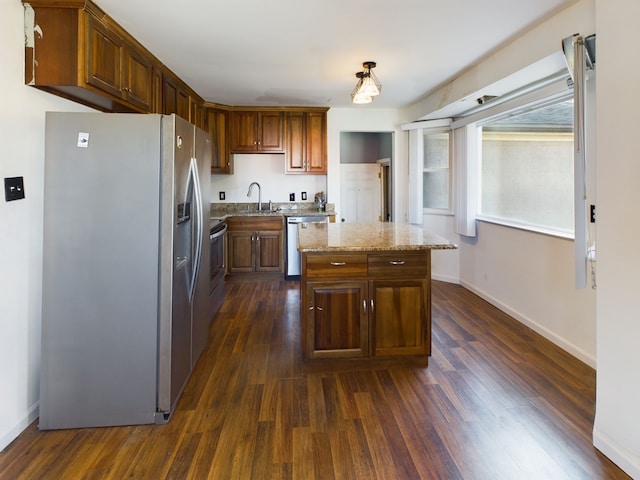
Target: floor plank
{"points": [[497, 401]]}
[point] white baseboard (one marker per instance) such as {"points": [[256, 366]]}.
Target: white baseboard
{"points": [[18, 428], [546, 333], [621, 457], [445, 278]]}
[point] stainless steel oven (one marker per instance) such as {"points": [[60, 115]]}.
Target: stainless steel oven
{"points": [[217, 265]]}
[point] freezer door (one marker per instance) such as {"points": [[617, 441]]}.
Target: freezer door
{"points": [[100, 270]]}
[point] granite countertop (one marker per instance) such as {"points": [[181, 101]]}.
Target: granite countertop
{"points": [[357, 237], [226, 210]]}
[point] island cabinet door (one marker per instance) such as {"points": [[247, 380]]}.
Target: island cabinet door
{"points": [[337, 320], [400, 317]]}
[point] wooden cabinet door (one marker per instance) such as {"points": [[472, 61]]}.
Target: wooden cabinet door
{"points": [[240, 252], [269, 251], [175, 99], [295, 151], [336, 320], [138, 79], [400, 317], [218, 128], [253, 131], [156, 104], [196, 112], [305, 142], [103, 58], [243, 131], [270, 131], [316, 143]]}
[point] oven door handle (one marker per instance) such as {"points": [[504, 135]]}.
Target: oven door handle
{"points": [[213, 236]]}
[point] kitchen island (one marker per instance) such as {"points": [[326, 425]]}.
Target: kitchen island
{"points": [[365, 290]]}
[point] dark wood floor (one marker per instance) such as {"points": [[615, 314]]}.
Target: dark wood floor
{"points": [[496, 402]]}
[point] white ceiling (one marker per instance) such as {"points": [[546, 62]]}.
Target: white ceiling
{"points": [[306, 52]]}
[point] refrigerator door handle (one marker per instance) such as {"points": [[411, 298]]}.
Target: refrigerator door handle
{"points": [[197, 193]]}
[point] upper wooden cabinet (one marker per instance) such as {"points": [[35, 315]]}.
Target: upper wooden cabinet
{"points": [[218, 128], [306, 142], [117, 67], [179, 99], [257, 131], [175, 98], [77, 51]]}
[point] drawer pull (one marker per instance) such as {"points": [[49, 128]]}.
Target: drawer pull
{"points": [[397, 262], [338, 264]]}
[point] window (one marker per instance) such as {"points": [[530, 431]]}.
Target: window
{"points": [[526, 168], [435, 174]]}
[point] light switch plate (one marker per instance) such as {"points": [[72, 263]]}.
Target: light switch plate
{"points": [[13, 188]]}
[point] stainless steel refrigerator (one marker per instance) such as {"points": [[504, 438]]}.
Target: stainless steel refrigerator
{"points": [[125, 266]]}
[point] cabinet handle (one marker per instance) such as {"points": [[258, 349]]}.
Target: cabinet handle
{"points": [[397, 262], [338, 264], [364, 306], [320, 309], [371, 304], [311, 308]]}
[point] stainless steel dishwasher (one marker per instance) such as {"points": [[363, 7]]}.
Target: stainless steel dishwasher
{"points": [[292, 261]]}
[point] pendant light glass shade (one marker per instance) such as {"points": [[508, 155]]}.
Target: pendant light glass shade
{"points": [[368, 85], [357, 96]]}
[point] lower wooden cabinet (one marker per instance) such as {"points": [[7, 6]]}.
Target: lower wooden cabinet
{"points": [[337, 320], [366, 305], [399, 317], [256, 244]]}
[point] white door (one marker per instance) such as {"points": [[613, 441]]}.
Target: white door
{"points": [[360, 192]]}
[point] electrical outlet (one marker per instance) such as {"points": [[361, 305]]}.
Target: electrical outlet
{"points": [[13, 188], [303, 195], [292, 197], [221, 195]]}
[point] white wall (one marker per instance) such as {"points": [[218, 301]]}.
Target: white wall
{"points": [[22, 140], [268, 171], [368, 119], [617, 425], [531, 277]]}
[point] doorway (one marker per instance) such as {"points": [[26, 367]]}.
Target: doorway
{"points": [[366, 176]]}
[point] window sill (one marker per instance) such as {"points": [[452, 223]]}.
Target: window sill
{"points": [[526, 226]]}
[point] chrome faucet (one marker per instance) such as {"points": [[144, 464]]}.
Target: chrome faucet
{"points": [[259, 194]]}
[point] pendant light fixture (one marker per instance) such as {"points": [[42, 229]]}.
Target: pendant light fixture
{"points": [[368, 85]]}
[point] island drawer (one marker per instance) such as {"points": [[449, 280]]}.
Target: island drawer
{"points": [[402, 264], [336, 266]]}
